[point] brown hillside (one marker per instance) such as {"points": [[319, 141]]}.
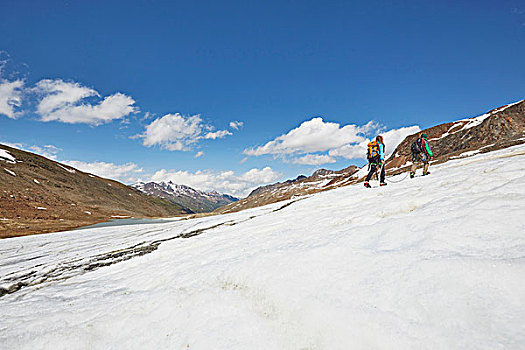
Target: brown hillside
{"points": [[38, 195]]}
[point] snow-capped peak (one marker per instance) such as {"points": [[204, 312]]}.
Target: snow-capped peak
{"points": [[189, 198]]}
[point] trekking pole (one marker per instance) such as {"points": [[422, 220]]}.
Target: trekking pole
{"points": [[378, 175]]}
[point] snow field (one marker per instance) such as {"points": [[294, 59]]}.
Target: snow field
{"points": [[434, 262]]}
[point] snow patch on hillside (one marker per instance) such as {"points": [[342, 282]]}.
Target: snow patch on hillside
{"points": [[472, 122], [468, 123], [6, 156], [10, 172], [72, 171]]}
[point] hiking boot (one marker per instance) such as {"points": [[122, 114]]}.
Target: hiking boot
{"points": [[412, 175], [367, 185], [383, 184], [427, 173]]}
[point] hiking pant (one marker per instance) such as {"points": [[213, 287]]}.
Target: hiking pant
{"points": [[374, 163], [419, 157]]}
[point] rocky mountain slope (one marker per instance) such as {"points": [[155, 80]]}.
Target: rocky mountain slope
{"points": [[38, 195], [320, 180], [192, 200], [499, 128]]}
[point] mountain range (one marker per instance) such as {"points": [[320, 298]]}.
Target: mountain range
{"points": [[192, 200]]}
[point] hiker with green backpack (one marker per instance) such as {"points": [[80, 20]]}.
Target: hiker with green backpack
{"points": [[421, 152], [376, 159]]}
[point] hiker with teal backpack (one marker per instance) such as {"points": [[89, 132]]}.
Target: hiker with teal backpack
{"points": [[421, 152], [376, 159]]}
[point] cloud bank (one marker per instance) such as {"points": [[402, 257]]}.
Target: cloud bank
{"points": [[317, 142]]}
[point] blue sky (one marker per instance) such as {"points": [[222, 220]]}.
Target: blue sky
{"points": [[137, 89]]}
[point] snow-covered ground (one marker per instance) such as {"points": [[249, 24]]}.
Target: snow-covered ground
{"points": [[435, 262]]}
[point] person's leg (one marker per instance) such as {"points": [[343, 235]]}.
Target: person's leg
{"points": [[414, 165], [371, 172], [425, 168], [382, 175]]}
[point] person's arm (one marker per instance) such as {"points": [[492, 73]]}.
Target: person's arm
{"points": [[382, 152]]}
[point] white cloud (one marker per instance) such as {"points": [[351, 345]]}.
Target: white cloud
{"points": [[10, 97], [264, 175], [351, 151], [65, 102], [236, 124], [176, 132], [126, 173], [173, 132], [148, 115], [219, 134], [13, 144], [314, 135], [198, 154], [314, 159], [48, 151], [223, 182]]}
